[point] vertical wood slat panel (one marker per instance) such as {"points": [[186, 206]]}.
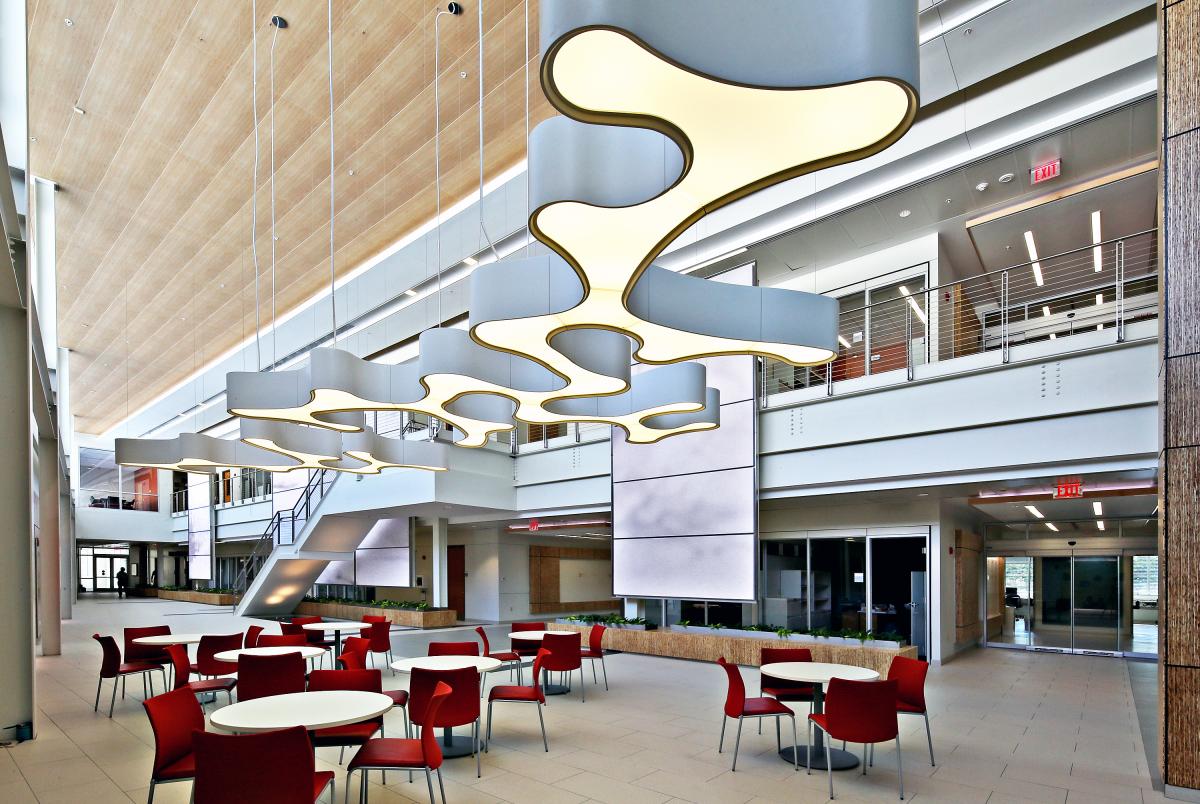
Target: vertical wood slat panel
{"points": [[1182, 621], [1182, 69], [1182, 737], [1180, 274], [1180, 395]]}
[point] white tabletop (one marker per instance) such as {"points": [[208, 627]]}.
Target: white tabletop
{"points": [[484, 664], [169, 639], [312, 710], [304, 650], [335, 626], [537, 635], [817, 672]]}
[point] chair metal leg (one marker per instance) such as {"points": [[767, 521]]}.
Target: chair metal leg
{"points": [[929, 736], [113, 702], [808, 750], [362, 788], [150, 795], [332, 792], [866, 757], [899, 767], [542, 723], [347, 799], [429, 782], [795, 746], [341, 755], [604, 669], [475, 745], [721, 743], [829, 765], [145, 692], [778, 741], [582, 684], [99, 682], [441, 786], [594, 679], [737, 744], [487, 739], [122, 687]]}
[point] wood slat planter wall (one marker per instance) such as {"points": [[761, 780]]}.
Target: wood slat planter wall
{"points": [[742, 650], [429, 618], [574, 605], [208, 598]]}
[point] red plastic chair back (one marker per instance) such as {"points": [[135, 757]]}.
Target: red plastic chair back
{"points": [[487, 648], [380, 635], [564, 651], [183, 667], [274, 767], [206, 664], [735, 697], [354, 653], [173, 717], [260, 676], [461, 708], [909, 675], [282, 641], [313, 637], [431, 749], [773, 655], [861, 711], [529, 627], [453, 649], [360, 680], [537, 672], [596, 638], [375, 618], [145, 653], [252, 634], [290, 629], [110, 660]]}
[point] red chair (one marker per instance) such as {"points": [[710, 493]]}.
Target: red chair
{"points": [[453, 649], [737, 705], [252, 634], [512, 658], [282, 641], [595, 650], [391, 753], [315, 638], [565, 656], [859, 712], [460, 709], [173, 717], [380, 636], [355, 734], [273, 767], [780, 688], [520, 694], [112, 667], [146, 653], [527, 647], [206, 662], [260, 676], [183, 672], [909, 675], [354, 653]]}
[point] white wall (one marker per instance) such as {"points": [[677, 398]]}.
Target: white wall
{"points": [[954, 515], [582, 579]]}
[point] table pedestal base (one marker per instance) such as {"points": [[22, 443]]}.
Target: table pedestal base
{"points": [[842, 760], [456, 745]]}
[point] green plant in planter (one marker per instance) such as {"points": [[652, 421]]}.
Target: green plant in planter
{"points": [[716, 626], [851, 633], [891, 636], [684, 623], [783, 633], [821, 632]]}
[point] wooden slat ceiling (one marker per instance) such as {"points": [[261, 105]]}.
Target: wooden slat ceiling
{"points": [[155, 276]]}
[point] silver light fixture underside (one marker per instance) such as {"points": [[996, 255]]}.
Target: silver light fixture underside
{"points": [[671, 110]]}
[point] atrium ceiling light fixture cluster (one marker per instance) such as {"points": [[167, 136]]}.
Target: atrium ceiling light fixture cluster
{"points": [[659, 127]]}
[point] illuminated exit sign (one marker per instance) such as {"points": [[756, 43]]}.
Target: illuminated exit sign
{"points": [[1069, 489], [1041, 173]]}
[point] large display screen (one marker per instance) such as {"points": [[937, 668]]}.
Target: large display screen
{"points": [[199, 519], [685, 510]]}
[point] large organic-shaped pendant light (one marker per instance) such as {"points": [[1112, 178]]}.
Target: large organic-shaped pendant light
{"points": [[671, 110]]}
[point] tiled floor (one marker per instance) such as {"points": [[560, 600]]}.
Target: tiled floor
{"points": [[1008, 726]]}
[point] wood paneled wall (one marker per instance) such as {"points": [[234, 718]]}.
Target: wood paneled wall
{"points": [[967, 549], [1179, 391]]}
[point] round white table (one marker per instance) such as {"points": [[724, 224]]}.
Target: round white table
{"points": [[484, 664], [337, 628], [818, 674], [308, 652], [537, 636], [312, 710], [162, 640]]}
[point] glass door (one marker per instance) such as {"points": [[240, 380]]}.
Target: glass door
{"points": [[1096, 607], [1052, 617]]}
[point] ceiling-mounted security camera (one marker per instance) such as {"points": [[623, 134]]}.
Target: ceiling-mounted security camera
{"points": [[455, 8], [1071, 543]]}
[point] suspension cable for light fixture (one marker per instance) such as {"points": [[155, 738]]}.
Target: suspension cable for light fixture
{"points": [[332, 272], [279, 23], [482, 225], [528, 206], [437, 145], [254, 187]]}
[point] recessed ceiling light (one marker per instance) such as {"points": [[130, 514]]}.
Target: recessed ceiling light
{"points": [[1005, 178], [923, 494], [1097, 508], [1046, 310], [948, 200], [78, 110], [462, 74], [1052, 526], [983, 185], [222, 284], [1033, 510], [843, 342], [470, 261], [1037, 266], [968, 31], [904, 213], [70, 23], [33, 139], [1100, 525], [1097, 256], [410, 292]]}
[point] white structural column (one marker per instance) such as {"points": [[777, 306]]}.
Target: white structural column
{"points": [[16, 537], [438, 583], [49, 606], [66, 512]]}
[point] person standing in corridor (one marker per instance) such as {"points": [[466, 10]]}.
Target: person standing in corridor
{"points": [[122, 582]]}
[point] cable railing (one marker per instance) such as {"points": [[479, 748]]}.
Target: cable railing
{"points": [[283, 527], [1104, 286]]}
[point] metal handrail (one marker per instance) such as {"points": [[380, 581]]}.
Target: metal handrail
{"points": [[317, 486]]}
